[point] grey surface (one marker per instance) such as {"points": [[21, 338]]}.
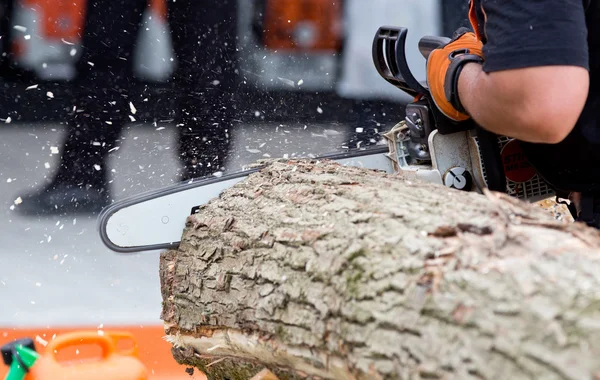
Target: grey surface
{"points": [[55, 271]]}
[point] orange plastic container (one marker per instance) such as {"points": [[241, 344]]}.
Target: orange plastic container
{"points": [[111, 365]]}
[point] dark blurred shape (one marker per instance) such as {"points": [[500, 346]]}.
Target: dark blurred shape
{"points": [[454, 15], [6, 10], [204, 41]]}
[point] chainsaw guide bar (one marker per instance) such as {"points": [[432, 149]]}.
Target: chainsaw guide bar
{"points": [[155, 220]]}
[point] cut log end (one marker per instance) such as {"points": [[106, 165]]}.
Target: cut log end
{"points": [[316, 270], [234, 352], [230, 368]]}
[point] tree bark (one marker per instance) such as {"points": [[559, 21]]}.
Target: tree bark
{"points": [[316, 270]]}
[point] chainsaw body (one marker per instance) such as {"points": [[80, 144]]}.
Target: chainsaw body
{"points": [[429, 146], [424, 145]]}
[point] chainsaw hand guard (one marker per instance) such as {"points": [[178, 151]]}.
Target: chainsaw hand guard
{"points": [[389, 56]]}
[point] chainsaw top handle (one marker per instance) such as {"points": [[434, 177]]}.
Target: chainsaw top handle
{"points": [[428, 44], [389, 56]]}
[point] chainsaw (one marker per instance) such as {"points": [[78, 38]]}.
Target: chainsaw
{"points": [[424, 145]]}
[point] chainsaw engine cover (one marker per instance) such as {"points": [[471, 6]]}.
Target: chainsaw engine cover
{"points": [[522, 181]]}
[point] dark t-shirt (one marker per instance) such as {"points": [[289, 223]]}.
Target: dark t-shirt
{"points": [[527, 33]]}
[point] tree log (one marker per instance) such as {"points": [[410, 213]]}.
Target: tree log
{"points": [[316, 270]]}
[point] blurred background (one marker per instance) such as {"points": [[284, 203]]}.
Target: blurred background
{"points": [[304, 84]]}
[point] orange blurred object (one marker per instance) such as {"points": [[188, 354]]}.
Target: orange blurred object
{"points": [[303, 24], [159, 7], [153, 351], [111, 364], [63, 19]]}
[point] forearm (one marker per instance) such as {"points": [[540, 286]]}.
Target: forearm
{"points": [[522, 103], [491, 106]]}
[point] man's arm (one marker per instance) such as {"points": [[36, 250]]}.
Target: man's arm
{"points": [[535, 104], [525, 75]]}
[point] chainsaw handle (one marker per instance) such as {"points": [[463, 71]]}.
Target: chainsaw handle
{"points": [[428, 44], [389, 57]]}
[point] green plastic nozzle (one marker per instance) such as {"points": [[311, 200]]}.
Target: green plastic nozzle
{"points": [[19, 355]]}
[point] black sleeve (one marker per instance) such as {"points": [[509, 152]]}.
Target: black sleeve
{"points": [[526, 33]]}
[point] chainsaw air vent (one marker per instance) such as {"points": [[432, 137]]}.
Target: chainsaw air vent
{"points": [[534, 189]]}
